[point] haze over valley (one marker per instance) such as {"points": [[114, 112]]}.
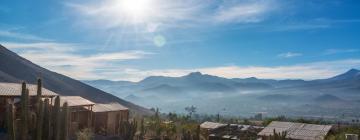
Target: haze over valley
{"points": [[332, 97]]}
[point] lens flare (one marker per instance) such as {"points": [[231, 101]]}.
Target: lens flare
{"points": [[159, 41]]}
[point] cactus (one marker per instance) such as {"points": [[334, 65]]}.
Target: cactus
{"points": [[10, 121], [65, 122], [24, 112], [46, 123], [38, 92], [197, 133], [39, 121], [127, 129], [56, 120], [142, 130]]}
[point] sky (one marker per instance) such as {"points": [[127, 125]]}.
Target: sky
{"points": [[133, 39]]}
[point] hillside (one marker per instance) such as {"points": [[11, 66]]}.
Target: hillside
{"points": [[14, 68]]}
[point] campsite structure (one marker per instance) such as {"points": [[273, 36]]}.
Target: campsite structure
{"points": [[295, 131]]}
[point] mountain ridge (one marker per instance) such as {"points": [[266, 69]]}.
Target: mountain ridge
{"points": [[14, 68]]}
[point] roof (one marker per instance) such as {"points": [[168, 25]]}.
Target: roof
{"points": [[75, 101], [299, 131], [108, 107], [211, 125], [14, 89]]}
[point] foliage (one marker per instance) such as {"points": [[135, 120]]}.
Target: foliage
{"points": [[191, 110], [85, 134], [339, 134]]}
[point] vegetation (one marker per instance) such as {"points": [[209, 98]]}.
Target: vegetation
{"points": [[339, 134], [40, 120], [85, 134]]}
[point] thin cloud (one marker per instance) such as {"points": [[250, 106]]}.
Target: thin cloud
{"points": [[166, 14], [307, 71], [290, 55], [21, 36], [243, 12], [337, 51], [64, 58]]}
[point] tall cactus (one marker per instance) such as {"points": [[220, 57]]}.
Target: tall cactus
{"points": [[39, 91], [64, 122], [142, 130], [47, 121], [56, 119], [39, 121], [24, 112], [128, 129], [10, 121], [197, 133], [39, 108]]}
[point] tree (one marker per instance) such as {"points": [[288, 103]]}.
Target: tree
{"points": [[191, 110]]}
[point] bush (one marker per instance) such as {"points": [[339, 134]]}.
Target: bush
{"points": [[85, 134]]}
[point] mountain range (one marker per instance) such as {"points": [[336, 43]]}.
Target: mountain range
{"points": [[15, 69], [241, 96]]}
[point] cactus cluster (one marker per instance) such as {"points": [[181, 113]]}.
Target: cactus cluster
{"points": [[36, 123], [127, 129]]}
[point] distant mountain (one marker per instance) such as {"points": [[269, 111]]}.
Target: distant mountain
{"points": [[352, 74], [14, 68], [211, 94], [328, 98], [163, 88], [276, 97]]}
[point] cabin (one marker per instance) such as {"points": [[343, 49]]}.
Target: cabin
{"points": [[11, 92], [106, 117], [103, 118], [220, 131], [295, 131], [80, 112], [212, 127]]}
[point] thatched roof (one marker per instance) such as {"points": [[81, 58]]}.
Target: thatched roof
{"points": [[14, 89], [211, 125], [108, 107], [75, 101], [300, 131]]}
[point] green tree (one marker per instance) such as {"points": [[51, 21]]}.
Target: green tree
{"points": [[191, 110]]}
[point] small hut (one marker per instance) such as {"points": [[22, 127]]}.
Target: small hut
{"points": [[107, 117], [295, 131], [11, 92], [80, 112]]}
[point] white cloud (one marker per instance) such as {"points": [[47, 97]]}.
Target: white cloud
{"points": [[62, 58], [290, 54], [22, 36], [65, 59], [108, 14], [307, 71], [243, 12]]}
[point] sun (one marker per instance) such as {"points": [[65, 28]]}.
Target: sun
{"points": [[136, 10]]}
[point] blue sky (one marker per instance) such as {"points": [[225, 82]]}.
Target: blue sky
{"points": [[133, 39]]}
